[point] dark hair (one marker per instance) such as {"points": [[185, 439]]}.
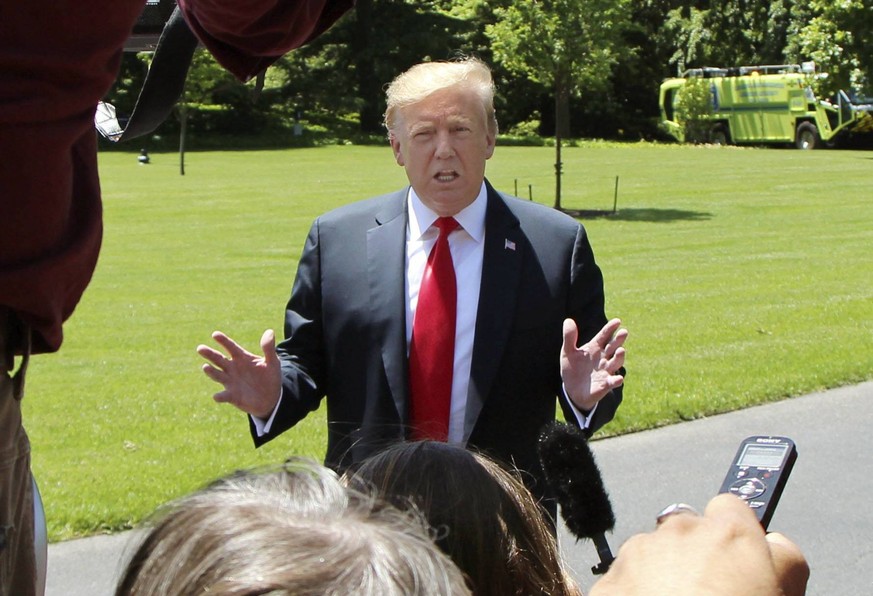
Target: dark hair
{"points": [[483, 516]]}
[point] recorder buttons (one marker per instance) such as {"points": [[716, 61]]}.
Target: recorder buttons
{"points": [[748, 488]]}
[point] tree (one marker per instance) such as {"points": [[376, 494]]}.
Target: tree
{"points": [[688, 31], [838, 36], [566, 45], [728, 32], [693, 108], [629, 106], [345, 70]]}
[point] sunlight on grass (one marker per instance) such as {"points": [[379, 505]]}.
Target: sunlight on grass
{"points": [[743, 275]]}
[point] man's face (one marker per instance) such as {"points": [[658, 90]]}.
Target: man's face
{"points": [[443, 143]]}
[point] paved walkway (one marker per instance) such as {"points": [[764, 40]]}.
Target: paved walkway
{"points": [[825, 507]]}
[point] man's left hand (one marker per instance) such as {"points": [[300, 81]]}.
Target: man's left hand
{"points": [[592, 370]]}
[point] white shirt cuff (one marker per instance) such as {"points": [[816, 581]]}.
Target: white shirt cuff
{"points": [[262, 426], [582, 418]]}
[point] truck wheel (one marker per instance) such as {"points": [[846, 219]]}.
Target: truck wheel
{"points": [[807, 136], [719, 135]]}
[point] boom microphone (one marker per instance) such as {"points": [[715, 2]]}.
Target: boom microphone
{"points": [[573, 476]]}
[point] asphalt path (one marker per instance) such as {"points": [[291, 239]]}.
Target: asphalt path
{"points": [[825, 507]]}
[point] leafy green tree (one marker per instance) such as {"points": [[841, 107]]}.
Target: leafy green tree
{"points": [[687, 30], [599, 60], [748, 31], [518, 99], [628, 107], [565, 45], [131, 75], [218, 103], [336, 81], [838, 36], [213, 100], [345, 71], [728, 32], [693, 107]]}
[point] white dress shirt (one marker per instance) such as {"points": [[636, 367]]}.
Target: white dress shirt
{"points": [[467, 245]]}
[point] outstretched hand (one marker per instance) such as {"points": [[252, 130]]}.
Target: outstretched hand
{"points": [[252, 383], [591, 370], [723, 551]]}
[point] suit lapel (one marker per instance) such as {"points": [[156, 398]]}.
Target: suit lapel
{"points": [[501, 274], [386, 266]]}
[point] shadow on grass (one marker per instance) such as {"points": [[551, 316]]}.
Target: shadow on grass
{"points": [[647, 215]]}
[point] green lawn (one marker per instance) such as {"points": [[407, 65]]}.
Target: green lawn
{"points": [[743, 275]]}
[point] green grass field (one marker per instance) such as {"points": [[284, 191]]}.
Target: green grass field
{"points": [[743, 275]]}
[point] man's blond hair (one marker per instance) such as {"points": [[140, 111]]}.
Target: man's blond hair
{"points": [[427, 78]]}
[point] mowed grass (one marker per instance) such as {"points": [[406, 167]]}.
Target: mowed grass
{"points": [[743, 275]]}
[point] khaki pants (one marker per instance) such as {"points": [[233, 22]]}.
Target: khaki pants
{"points": [[17, 558]]}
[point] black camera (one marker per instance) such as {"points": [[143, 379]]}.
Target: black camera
{"points": [[149, 26]]}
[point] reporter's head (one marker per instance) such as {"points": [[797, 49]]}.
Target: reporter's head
{"points": [[292, 530]]}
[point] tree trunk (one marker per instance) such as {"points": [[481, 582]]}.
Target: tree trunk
{"points": [[558, 170], [183, 128], [562, 108], [562, 125], [259, 86]]}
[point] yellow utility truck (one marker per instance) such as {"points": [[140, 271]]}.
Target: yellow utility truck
{"points": [[769, 104]]}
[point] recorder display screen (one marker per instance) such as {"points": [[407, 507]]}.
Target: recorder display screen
{"points": [[763, 456]]}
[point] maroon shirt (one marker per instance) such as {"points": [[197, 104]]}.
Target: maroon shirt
{"points": [[57, 60]]}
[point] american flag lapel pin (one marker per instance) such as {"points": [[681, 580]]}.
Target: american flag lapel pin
{"points": [[508, 244]]}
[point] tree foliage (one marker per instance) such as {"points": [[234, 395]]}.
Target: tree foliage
{"points": [[727, 32], [599, 61], [838, 36], [569, 46], [693, 107], [347, 69]]}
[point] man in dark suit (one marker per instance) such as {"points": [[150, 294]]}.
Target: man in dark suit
{"points": [[525, 291]]}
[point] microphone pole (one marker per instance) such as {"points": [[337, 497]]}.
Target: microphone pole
{"points": [[573, 476]]}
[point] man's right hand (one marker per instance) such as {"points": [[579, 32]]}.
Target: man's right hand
{"points": [[252, 383]]}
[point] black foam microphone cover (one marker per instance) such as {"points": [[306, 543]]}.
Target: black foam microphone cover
{"points": [[573, 476]]}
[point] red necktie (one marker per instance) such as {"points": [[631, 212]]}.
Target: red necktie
{"points": [[432, 350]]}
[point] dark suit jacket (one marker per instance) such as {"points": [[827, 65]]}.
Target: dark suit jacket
{"points": [[346, 334]]}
